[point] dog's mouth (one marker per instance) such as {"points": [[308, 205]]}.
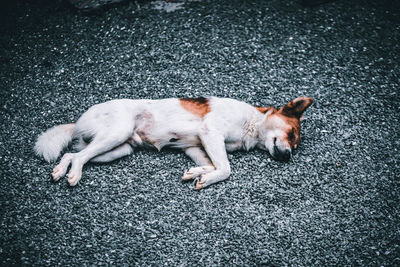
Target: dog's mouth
{"points": [[279, 151], [281, 154]]}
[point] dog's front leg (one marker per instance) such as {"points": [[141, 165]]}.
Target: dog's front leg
{"points": [[214, 144], [200, 157]]}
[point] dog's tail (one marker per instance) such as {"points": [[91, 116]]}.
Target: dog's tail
{"points": [[50, 143]]}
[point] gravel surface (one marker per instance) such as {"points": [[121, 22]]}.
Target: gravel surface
{"points": [[337, 203]]}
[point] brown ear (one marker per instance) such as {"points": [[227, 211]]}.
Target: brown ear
{"points": [[297, 106]]}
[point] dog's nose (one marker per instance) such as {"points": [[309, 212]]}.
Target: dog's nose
{"points": [[283, 155], [286, 155]]}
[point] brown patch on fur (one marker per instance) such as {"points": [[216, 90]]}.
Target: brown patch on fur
{"points": [[291, 128], [198, 106], [287, 119], [292, 113], [265, 109]]}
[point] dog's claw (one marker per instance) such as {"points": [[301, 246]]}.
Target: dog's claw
{"points": [[196, 172], [73, 179], [187, 176], [57, 173], [197, 183]]}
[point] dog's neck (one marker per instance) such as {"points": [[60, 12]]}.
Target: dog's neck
{"points": [[254, 129]]}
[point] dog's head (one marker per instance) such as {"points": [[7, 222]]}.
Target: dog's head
{"points": [[281, 128]]}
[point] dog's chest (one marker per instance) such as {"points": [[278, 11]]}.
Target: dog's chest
{"points": [[241, 143], [231, 146]]}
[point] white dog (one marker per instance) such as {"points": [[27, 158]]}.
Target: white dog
{"points": [[205, 128]]}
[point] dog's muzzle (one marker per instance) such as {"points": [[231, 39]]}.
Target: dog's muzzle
{"points": [[282, 155]]}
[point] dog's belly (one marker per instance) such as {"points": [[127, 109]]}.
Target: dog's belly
{"points": [[183, 141], [151, 131], [171, 139], [166, 126]]}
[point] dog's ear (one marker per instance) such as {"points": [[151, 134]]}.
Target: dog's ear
{"points": [[296, 107]]}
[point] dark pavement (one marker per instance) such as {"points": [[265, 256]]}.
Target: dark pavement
{"points": [[337, 203]]}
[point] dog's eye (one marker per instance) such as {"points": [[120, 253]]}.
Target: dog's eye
{"points": [[291, 134]]}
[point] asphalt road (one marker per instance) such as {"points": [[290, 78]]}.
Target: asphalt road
{"points": [[337, 203]]}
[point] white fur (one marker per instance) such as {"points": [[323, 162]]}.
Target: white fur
{"points": [[113, 129], [50, 143]]}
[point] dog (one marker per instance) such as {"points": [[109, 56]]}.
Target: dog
{"points": [[204, 128]]}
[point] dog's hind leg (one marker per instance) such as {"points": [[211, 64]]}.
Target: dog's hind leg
{"points": [[120, 151], [201, 159], [101, 143], [61, 169]]}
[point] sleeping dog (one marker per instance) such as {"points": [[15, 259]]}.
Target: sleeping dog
{"points": [[204, 128]]}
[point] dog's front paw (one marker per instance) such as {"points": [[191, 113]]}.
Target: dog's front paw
{"points": [[197, 171], [188, 175], [200, 183]]}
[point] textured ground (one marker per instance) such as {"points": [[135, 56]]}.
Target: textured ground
{"points": [[336, 204]]}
